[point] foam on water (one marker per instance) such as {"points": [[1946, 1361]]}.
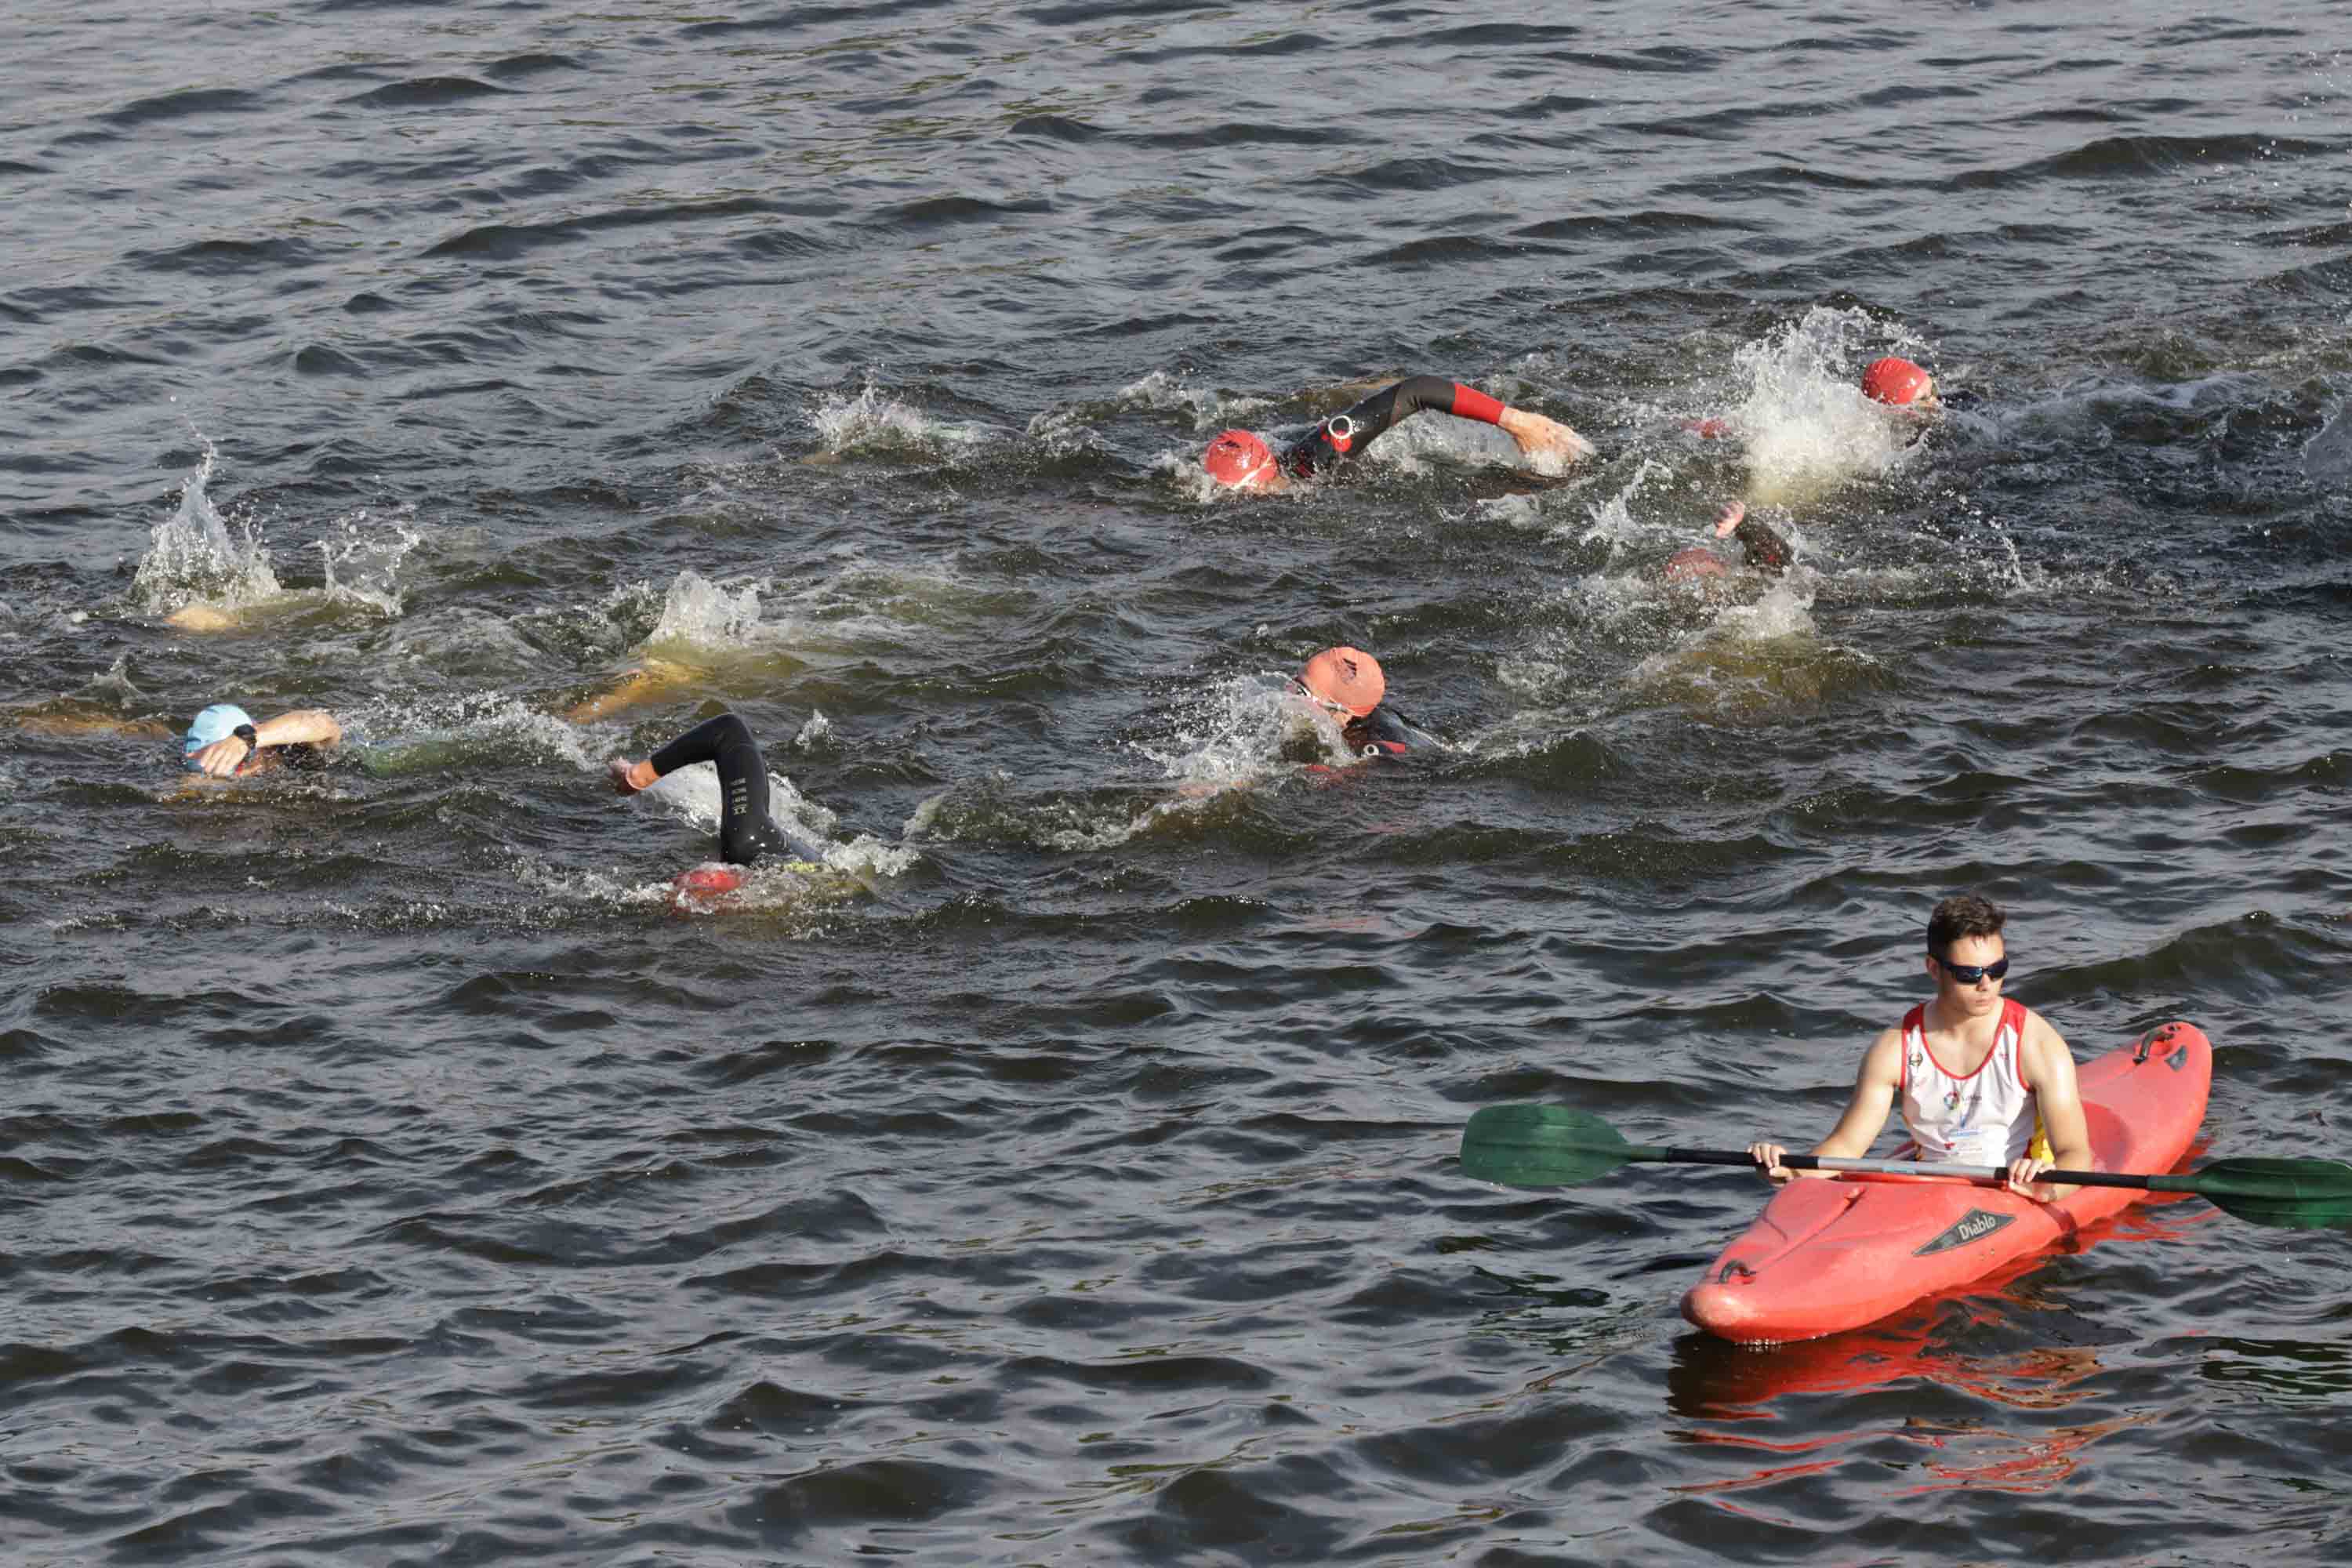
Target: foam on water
{"points": [[874, 424], [1209, 409], [397, 736]]}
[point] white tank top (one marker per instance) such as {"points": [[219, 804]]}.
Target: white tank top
{"points": [[1987, 1118]]}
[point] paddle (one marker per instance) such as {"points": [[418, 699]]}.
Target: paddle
{"points": [[1556, 1146]]}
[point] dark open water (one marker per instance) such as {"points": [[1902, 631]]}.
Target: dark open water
{"points": [[385, 1177]]}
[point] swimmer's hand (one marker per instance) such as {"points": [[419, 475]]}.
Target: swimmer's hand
{"points": [[1550, 444], [1728, 520], [629, 777], [223, 757]]}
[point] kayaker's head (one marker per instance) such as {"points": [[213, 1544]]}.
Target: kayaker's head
{"points": [[1965, 955]]}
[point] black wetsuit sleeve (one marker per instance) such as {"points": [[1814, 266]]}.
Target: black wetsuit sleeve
{"points": [[1766, 551], [1345, 434], [746, 831]]}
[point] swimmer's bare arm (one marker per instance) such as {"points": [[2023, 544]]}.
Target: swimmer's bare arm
{"points": [[304, 726], [1874, 1088]]}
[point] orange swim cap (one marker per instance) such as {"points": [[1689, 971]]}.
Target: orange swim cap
{"points": [[1234, 456], [1895, 380], [1347, 676]]}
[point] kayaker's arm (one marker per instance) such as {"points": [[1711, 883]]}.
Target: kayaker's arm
{"points": [[2049, 1071], [1874, 1088]]}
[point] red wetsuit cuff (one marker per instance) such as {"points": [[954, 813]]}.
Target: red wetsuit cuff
{"points": [[1472, 404]]}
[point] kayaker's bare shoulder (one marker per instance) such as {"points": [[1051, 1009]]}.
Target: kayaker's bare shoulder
{"points": [[1881, 1063], [2044, 1056]]}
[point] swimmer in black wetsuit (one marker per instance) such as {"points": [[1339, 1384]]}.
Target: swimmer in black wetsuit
{"points": [[1243, 461], [1766, 551], [1347, 683], [746, 831]]}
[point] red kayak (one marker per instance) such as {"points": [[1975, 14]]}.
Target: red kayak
{"points": [[1830, 1254]]}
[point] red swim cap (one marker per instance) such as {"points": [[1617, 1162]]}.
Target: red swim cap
{"points": [[1692, 564], [1347, 676], [1232, 458], [1895, 380], [697, 885]]}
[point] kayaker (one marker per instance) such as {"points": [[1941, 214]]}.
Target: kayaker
{"points": [[1981, 1080], [1242, 461]]}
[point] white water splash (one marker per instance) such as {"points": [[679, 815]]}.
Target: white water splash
{"points": [[362, 565], [1807, 425], [195, 559], [698, 613]]}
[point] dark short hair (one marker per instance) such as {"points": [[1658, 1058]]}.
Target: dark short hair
{"points": [[1960, 917]]}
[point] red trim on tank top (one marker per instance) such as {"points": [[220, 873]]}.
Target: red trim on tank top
{"points": [[2012, 1019]]}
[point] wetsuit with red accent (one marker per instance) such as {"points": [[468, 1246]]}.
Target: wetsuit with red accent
{"points": [[1344, 434], [1766, 551], [746, 831], [1382, 733]]}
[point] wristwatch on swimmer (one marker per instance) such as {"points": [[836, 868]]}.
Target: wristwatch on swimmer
{"points": [[252, 742]]}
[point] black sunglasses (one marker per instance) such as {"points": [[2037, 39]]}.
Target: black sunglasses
{"points": [[1970, 974]]}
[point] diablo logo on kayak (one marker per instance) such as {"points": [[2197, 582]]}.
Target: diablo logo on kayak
{"points": [[1973, 1226]]}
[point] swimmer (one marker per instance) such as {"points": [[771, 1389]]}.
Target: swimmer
{"points": [[1241, 461], [746, 832], [1347, 683], [1766, 551], [1893, 381], [224, 742]]}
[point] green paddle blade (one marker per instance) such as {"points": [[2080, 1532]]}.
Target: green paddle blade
{"points": [[2296, 1194], [1540, 1146]]}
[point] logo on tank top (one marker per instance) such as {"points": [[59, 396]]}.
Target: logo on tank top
{"points": [[1973, 1226]]}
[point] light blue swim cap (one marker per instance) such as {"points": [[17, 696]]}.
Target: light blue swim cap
{"points": [[215, 722]]}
